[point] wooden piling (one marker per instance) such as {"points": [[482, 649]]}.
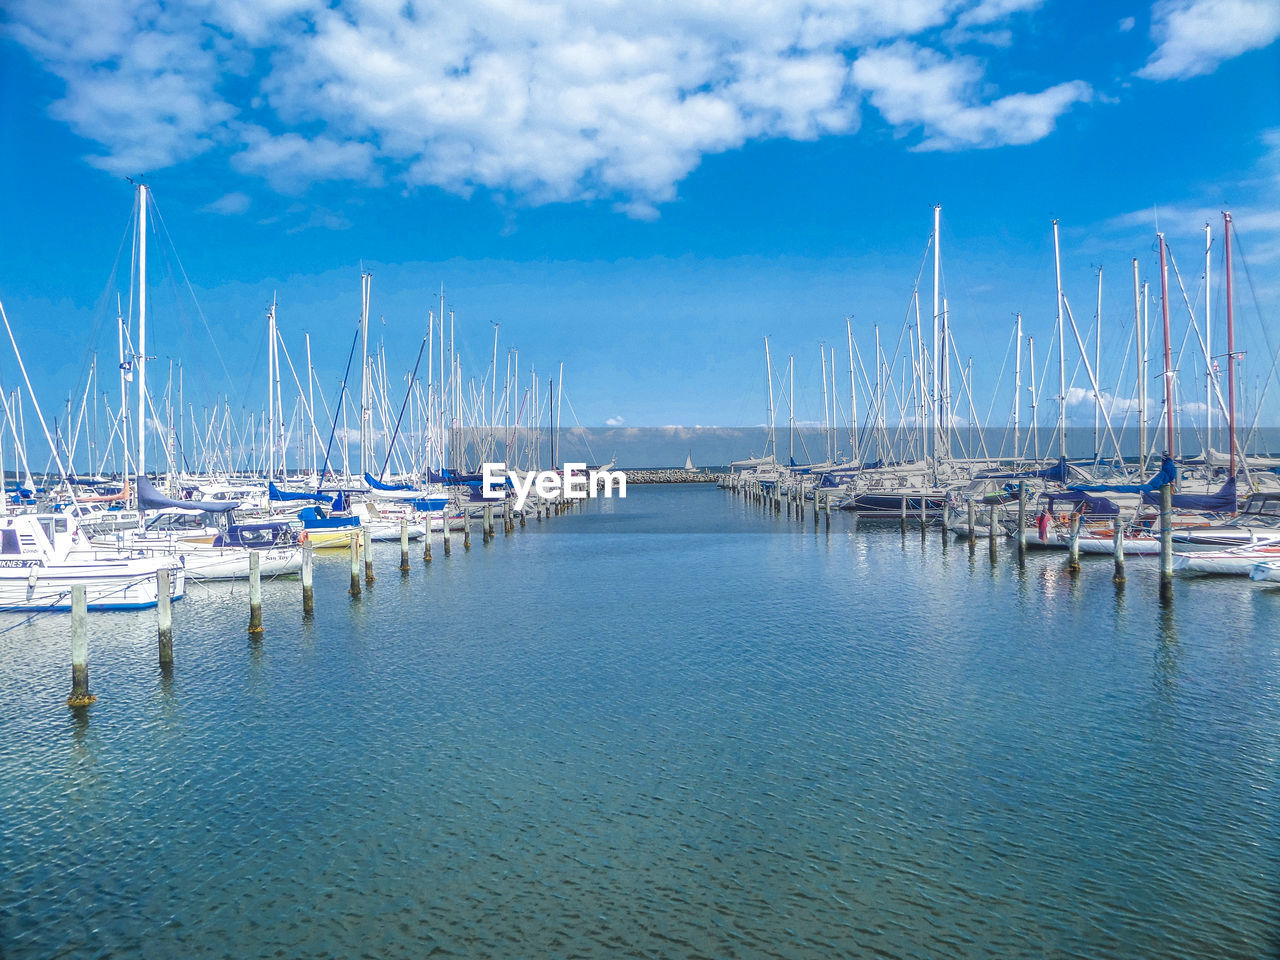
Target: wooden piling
{"points": [[445, 531], [80, 695], [1117, 547], [904, 515], [404, 544], [1022, 520], [1073, 545], [355, 565], [991, 530], [507, 525], [946, 520], [308, 592], [164, 618], [466, 530], [255, 592], [486, 526], [368, 556], [1166, 536], [972, 529]]}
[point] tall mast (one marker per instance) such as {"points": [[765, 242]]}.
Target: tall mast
{"points": [[142, 330], [791, 409], [1017, 393], [271, 387], [1062, 356], [311, 401], [1097, 373], [1035, 432], [1208, 339], [768, 372], [1168, 355], [936, 346], [945, 351], [853, 395], [1231, 342], [1141, 364], [366, 414], [826, 424]]}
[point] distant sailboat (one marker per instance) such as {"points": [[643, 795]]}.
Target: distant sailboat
{"points": [[688, 463]]}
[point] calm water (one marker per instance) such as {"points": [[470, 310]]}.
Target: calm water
{"points": [[609, 736]]}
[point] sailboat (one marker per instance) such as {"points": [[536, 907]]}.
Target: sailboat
{"points": [[688, 463]]}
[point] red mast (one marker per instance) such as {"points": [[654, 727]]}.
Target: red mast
{"points": [[1168, 375], [1231, 346]]}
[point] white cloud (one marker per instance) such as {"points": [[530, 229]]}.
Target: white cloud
{"points": [[914, 86], [546, 100], [230, 204], [1126, 24], [1194, 36], [614, 422]]}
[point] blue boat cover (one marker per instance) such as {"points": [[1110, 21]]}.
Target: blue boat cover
{"points": [[1055, 474], [379, 485], [1224, 501], [1168, 474], [149, 498], [1098, 506], [275, 493], [311, 520]]}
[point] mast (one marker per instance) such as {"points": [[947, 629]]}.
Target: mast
{"points": [[826, 424], [142, 330], [1035, 432], [311, 402], [768, 368], [271, 387], [1062, 356], [936, 348], [1097, 370], [1231, 342], [1208, 340], [791, 409], [366, 415], [1168, 375], [1017, 393]]}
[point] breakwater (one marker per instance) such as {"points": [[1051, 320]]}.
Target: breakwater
{"points": [[672, 475]]}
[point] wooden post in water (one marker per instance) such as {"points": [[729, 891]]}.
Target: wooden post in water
{"points": [[924, 503], [817, 499], [991, 531], [1166, 537], [445, 532], [368, 556], [486, 528], [80, 695], [789, 499], [904, 514], [507, 525], [308, 591], [946, 519], [466, 530], [826, 508], [164, 618], [426, 547], [1073, 545], [1117, 547], [1022, 520], [255, 592], [355, 565], [404, 544], [972, 530]]}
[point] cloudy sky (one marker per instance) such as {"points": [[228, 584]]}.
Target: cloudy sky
{"points": [[642, 191]]}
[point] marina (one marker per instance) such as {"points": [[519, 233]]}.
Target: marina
{"points": [[613, 755]]}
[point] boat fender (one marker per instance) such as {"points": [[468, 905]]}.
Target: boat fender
{"points": [[1042, 526]]}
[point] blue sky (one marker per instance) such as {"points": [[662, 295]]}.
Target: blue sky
{"points": [[641, 192]]}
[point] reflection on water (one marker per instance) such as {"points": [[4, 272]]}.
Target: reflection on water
{"points": [[604, 736]]}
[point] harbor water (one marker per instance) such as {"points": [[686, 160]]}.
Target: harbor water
{"points": [[666, 726]]}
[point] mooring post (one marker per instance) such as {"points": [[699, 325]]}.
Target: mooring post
{"points": [[466, 530], [255, 592], [446, 535], [1117, 547], [924, 503], [355, 565], [368, 556], [1073, 544], [991, 530], [1166, 537], [486, 527], [904, 514], [426, 547], [1022, 520], [308, 593], [507, 525], [817, 500], [826, 507], [164, 618], [80, 695], [789, 499], [404, 544], [972, 530], [946, 519]]}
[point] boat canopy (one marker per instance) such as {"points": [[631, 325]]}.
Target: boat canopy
{"points": [[149, 498], [1098, 506], [1224, 501], [1168, 474], [275, 493], [387, 487]]}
